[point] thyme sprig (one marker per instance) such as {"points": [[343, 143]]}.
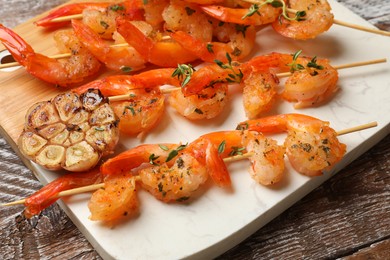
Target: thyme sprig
{"points": [[235, 76], [294, 66], [221, 147], [254, 9], [313, 64], [183, 72], [172, 154]]}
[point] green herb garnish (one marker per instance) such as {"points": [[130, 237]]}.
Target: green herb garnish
{"points": [[184, 73]]}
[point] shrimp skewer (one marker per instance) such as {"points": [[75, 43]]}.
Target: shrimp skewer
{"points": [[269, 14], [108, 12], [311, 145], [311, 17], [143, 101], [174, 173], [311, 81], [76, 69], [209, 99], [119, 170]]}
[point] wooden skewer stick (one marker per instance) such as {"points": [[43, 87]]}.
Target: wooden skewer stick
{"points": [[67, 18], [361, 28], [279, 75], [227, 159], [357, 128], [64, 193]]}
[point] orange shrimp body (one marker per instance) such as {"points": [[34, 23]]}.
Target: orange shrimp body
{"points": [[312, 146], [176, 182], [238, 45], [259, 93], [172, 172], [317, 20], [135, 157], [205, 2], [311, 86], [153, 12], [99, 16], [118, 58], [267, 157], [48, 194], [267, 160], [266, 14], [75, 69], [208, 104], [207, 75], [117, 200], [161, 53], [204, 77], [141, 112], [70, 9], [188, 18]]}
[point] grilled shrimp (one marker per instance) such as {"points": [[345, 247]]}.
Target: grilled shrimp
{"points": [[265, 14], [233, 39], [233, 71], [259, 93], [267, 157], [77, 68], [313, 85], [312, 146], [69, 132], [317, 19], [118, 58], [160, 52], [186, 17], [70, 9], [208, 104], [118, 199], [47, 195], [99, 16]]}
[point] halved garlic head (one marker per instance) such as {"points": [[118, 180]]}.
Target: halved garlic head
{"points": [[70, 132]]}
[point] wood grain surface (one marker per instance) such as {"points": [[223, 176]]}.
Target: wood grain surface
{"points": [[347, 217]]}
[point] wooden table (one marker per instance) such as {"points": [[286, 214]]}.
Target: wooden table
{"points": [[347, 217]]}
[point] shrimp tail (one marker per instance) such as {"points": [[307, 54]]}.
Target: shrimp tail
{"points": [[18, 47], [90, 39], [239, 15], [160, 53], [48, 194], [196, 47], [131, 159], [66, 10], [270, 124], [217, 167], [135, 37]]}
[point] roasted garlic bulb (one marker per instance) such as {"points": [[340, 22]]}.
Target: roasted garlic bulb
{"points": [[70, 132]]}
